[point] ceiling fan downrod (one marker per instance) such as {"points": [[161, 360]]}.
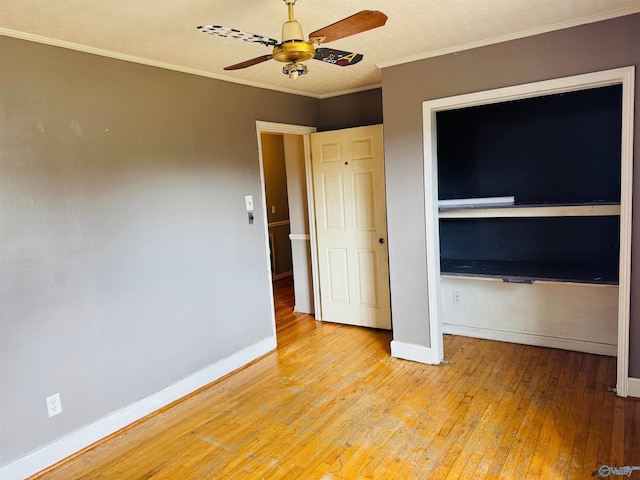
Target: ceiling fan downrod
{"points": [[293, 48], [291, 29]]}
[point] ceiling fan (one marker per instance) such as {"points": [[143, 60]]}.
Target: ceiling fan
{"points": [[294, 49]]}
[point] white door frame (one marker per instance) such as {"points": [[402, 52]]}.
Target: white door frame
{"points": [[620, 76], [304, 131]]}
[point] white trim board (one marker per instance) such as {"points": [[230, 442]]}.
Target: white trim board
{"points": [[532, 339], [533, 211], [633, 387], [305, 237], [485, 202], [413, 352], [75, 441], [283, 128], [620, 76]]}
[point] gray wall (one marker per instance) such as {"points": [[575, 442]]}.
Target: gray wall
{"points": [[599, 46], [127, 261]]}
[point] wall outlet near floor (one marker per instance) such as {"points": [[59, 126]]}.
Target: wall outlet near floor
{"points": [[54, 406], [457, 298]]}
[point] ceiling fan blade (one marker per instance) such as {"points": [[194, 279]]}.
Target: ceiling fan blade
{"points": [[233, 33], [249, 63], [360, 22], [337, 57]]}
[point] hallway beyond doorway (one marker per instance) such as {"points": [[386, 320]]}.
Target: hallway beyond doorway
{"points": [[289, 325]]}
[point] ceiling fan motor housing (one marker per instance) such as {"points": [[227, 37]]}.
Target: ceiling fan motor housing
{"points": [[293, 47], [292, 30], [293, 51]]}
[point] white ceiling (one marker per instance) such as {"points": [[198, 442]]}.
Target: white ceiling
{"points": [[163, 32]]}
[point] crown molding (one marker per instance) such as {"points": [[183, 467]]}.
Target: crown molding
{"points": [[144, 61], [512, 36]]}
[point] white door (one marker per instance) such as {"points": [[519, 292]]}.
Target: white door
{"points": [[353, 264]]}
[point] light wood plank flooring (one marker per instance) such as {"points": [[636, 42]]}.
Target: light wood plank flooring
{"points": [[331, 403], [289, 325]]}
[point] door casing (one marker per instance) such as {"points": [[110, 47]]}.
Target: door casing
{"points": [[305, 132]]}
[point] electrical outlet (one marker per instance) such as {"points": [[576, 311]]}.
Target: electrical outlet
{"points": [[54, 406], [457, 298]]}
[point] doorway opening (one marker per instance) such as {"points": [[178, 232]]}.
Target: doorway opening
{"points": [[294, 293]]}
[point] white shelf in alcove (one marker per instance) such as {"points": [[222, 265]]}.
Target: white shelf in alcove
{"points": [[587, 210]]}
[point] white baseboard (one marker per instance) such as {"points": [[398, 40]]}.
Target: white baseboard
{"points": [[416, 353], [306, 309], [532, 339], [69, 444], [633, 387]]}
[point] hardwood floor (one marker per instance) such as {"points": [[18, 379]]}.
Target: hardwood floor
{"points": [[331, 403], [289, 325]]}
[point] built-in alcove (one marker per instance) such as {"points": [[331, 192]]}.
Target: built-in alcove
{"points": [[528, 194], [545, 152]]}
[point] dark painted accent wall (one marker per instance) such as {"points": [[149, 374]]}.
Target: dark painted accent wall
{"points": [[127, 261], [353, 110], [588, 48], [510, 148]]}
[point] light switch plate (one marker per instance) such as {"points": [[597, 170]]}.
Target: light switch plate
{"points": [[248, 200]]}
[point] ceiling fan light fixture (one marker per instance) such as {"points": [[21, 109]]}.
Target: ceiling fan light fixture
{"points": [[294, 70]]}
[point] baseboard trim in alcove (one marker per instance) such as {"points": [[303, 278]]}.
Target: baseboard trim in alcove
{"points": [[633, 387]]}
